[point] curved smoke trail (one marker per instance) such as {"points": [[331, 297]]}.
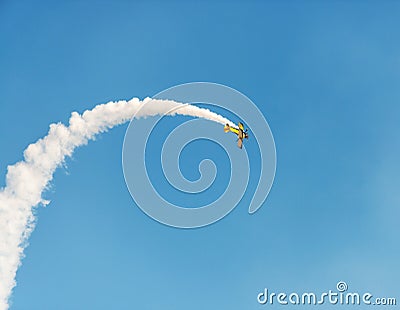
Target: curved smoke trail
{"points": [[27, 179]]}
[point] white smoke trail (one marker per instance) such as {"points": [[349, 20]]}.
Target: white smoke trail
{"points": [[27, 179]]}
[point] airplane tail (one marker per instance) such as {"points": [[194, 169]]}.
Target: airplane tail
{"points": [[227, 128]]}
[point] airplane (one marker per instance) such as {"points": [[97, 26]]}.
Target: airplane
{"points": [[240, 132]]}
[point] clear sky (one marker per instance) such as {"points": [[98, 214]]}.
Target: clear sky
{"points": [[326, 77]]}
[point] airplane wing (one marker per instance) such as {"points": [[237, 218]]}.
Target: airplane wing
{"points": [[240, 143], [234, 130], [228, 128]]}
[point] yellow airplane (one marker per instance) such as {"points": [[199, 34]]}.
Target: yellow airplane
{"points": [[240, 132]]}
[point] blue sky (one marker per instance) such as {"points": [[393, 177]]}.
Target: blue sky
{"points": [[325, 76]]}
